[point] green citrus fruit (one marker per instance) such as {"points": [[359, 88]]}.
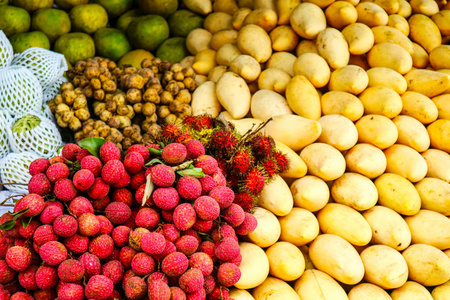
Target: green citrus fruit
{"points": [[158, 7], [173, 50], [22, 41], [111, 43], [51, 21], [14, 20], [134, 58], [115, 8], [32, 5], [124, 20], [148, 32], [184, 21], [75, 46], [88, 18], [68, 4], [4, 2]]}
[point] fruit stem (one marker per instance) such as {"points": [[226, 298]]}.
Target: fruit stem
{"points": [[183, 165]]}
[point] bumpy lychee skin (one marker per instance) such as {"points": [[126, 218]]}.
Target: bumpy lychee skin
{"points": [[184, 216], [147, 218], [225, 230], [34, 203], [186, 244], [218, 292], [44, 234], [157, 276], [203, 226], [80, 205], [142, 264], [228, 274], [177, 293], [39, 165], [82, 154], [83, 179], [174, 153], [223, 195], [194, 149], [71, 291], [124, 180], [208, 183], [158, 289], [162, 175], [120, 235], [191, 281], [46, 277], [101, 246], [219, 178], [57, 159], [126, 255], [92, 164], [6, 272], [248, 226], [137, 180], [112, 171], [91, 264], [122, 195], [133, 162], [39, 184], [136, 237], [207, 163], [69, 151], [109, 151], [169, 248], [135, 288], [65, 190], [99, 189], [113, 270], [170, 232], [141, 149], [53, 253], [77, 244], [207, 208], [234, 215], [165, 198], [57, 171], [227, 249], [189, 187], [50, 213], [65, 225], [4, 293], [174, 264], [18, 258], [201, 261], [99, 287], [209, 283], [101, 204], [106, 227], [88, 224], [71, 270], [153, 243], [118, 212], [45, 295], [21, 296]]}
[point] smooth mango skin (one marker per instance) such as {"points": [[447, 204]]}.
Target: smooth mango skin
{"points": [[315, 282], [303, 98], [411, 290], [431, 228], [254, 266], [424, 32], [233, 94]]}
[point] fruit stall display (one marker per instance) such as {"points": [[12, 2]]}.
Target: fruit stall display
{"points": [[227, 149]]}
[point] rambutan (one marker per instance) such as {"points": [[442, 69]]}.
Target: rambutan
{"points": [[253, 181], [270, 167], [241, 161], [245, 200], [262, 146], [198, 122], [171, 131], [184, 138], [281, 160], [233, 182], [224, 142]]}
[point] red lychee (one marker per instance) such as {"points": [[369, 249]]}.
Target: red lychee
{"points": [[167, 215], [153, 243], [39, 184], [65, 190], [91, 264], [57, 159], [126, 255], [135, 238], [99, 189], [174, 264], [177, 293], [118, 212], [88, 224], [99, 287], [142, 264], [46, 277], [218, 293], [65, 225], [223, 195], [162, 175], [69, 151], [101, 246], [201, 261], [77, 244], [194, 149], [139, 196], [106, 227], [4, 293], [147, 218], [109, 151], [170, 232], [189, 187], [44, 234], [203, 226], [165, 198], [7, 274], [174, 153], [80, 205], [120, 235], [191, 281], [228, 274], [39, 165], [34, 203], [207, 208], [92, 164], [21, 296], [137, 180], [113, 270], [219, 178], [122, 195], [101, 204], [133, 162], [27, 233], [184, 216], [227, 249], [53, 253], [114, 255], [207, 163], [70, 270], [169, 248], [158, 290], [82, 154], [112, 171], [186, 244], [193, 233], [18, 258], [57, 171], [83, 179], [141, 149], [71, 291], [50, 213], [198, 295], [209, 283], [248, 226], [208, 183], [234, 215], [44, 295], [135, 288], [223, 231]]}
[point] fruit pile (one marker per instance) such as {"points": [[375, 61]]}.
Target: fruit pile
{"points": [[109, 228]]}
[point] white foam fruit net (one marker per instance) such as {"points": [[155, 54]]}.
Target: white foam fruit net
{"points": [[20, 90], [14, 169], [6, 50], [46, 65], [4, 123], [51, 91], [34, 132], [46, 112]]}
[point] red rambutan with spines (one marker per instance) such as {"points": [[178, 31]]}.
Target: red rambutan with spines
{"points": [[261, 146], [171, 131], [270, 167], [241, 161], [281, 160], [222, 164], [184, 138], [198, 122], [224, 142], [244, 200], [254, 181]]}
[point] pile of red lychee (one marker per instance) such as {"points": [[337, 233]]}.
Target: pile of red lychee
{"points": [[157, 222]]}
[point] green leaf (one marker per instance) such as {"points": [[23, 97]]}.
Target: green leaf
{"points": [[161, 144], [156, 152], [26, 222], [19, 213], [7, 225], [194, 172], [154, 161], [92, 145]]}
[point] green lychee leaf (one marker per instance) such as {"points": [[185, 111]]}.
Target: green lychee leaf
{"points": [[154, 161], [155, 152], [194, 172], [19, 213], [92, 145], [10, 223], [26, 222]]}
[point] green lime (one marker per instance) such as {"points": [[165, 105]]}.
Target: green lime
{"points": [[173, 50], [158, 7], [115, 8], [88, 18], [184, 21], [32, 5], [134, 58], [22, 41], [51, 21], [148, 32], [128, 17], [14, 20], [75, 46], [111, 43], [68, 4]]}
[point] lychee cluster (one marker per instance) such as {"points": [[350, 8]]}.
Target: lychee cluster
{"points": [[247, 161], [156, 222]]}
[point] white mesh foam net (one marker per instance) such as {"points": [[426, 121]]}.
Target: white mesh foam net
{"points": [[47, 112], [14, 169], [6, 50], [51, 91], [20, 90], [46, 65], [44, 139], [7, 200], [4, 123]]}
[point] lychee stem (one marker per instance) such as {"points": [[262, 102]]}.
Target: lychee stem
{"points": [[183, 165], [3, 203]]}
